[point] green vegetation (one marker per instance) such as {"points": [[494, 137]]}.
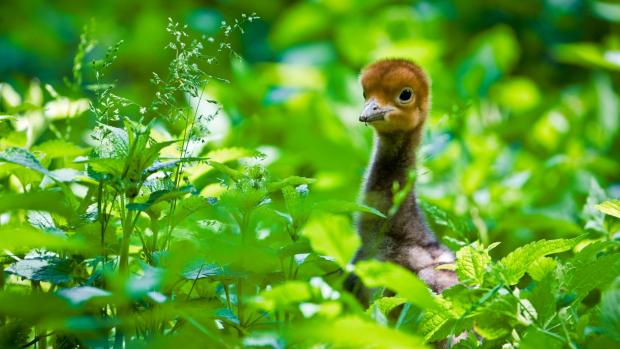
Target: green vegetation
{"points": [[191, 182]]}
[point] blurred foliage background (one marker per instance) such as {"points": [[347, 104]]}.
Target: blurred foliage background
{"points": [[525, 119]]}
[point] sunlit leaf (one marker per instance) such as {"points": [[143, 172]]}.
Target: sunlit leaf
{"points": [[21, 237], [394, 277], [35, 201], [332, 235], [611, 207], [471, 264], [24, 158], [515, 264]]}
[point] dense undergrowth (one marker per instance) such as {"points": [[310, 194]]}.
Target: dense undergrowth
{"points": [[144, 235]]}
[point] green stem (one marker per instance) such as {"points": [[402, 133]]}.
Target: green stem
{"points": [[245, 220], [177, 175]]}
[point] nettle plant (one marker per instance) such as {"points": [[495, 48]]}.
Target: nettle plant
{"points": [[148, 238]]}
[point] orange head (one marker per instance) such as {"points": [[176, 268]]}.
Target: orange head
{"points": [[397, 95]]}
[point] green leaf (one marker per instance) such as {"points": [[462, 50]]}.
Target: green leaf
{"points": [[611, 207], [39, 201], [492, 326], [156, 197], [396, 278], [586, 277], [610, 311], [514, 265], [385, 305], [24, 158], [297, 247], [350, 332], [332, 235], [35, 307], [541, 267], [284, 296], [22, 237], [437, 324], [229, 154], [594, 218], [43, 268], [113, 142], [188, 206], [535, 338], [289, 181], [341, 206], [471, 264], [58, 148], [295, 199], [200, 270], [82, 294], [590, 252], [543, 297], [232, 173], [105, 165]]}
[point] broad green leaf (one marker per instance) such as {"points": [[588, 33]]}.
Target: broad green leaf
{"points": [[396, 278], [350, 332], [113, 142], [541, 267], [437, 324], [611, 207], [106, 165], [35, 307], [43, 268], [82, 294], [22, 237], [284, 296], [39, 201], [590, 252], [586, 277], [200, 270], [492, 326], [610, 311], [297, 247], [385, 305], [543, 297], [232, 173], [340, 206], [24, 158], [145, 158], [534, 338], [221, 156], [471, 264], [295, 199], [332, 235], [188, 206], [514, 265], [229, 154], [58, 148]]}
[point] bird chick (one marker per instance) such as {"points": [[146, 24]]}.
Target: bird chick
{"points": [[397, 103]]}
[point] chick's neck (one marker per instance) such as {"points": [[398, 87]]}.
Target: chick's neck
{"points": [[393, 159]]}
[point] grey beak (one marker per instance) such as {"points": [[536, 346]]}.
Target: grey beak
{"points": [[373, 111]]}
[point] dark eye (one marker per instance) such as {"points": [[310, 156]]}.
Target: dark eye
{"points": [[405, 95]]}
